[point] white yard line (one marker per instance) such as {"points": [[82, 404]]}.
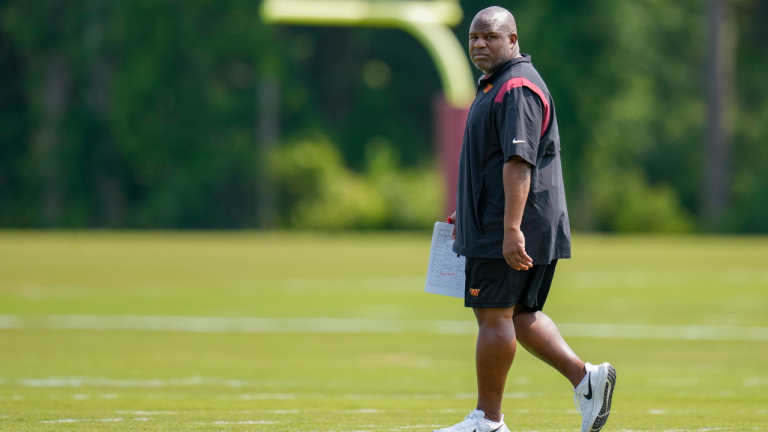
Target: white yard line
{"points": [[9, 322], [51, 382], [371, 326]]}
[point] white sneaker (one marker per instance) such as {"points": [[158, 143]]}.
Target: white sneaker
{"points": [[593, 396], [475, 421]]}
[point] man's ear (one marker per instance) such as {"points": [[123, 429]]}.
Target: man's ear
{"points": [[513, 38]]}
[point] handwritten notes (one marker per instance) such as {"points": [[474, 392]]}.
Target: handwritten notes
{"points": [[445, 274]]}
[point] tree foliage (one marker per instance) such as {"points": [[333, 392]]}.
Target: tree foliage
{"points": [[142, 114]]}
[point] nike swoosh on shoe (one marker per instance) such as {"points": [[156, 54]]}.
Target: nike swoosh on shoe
{"points": [[588, 396]]}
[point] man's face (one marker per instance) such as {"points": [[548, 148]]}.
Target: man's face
{"points": [[490, 44]]}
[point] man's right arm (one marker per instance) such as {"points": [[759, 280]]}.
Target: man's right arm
{"points": [[452, 220]]}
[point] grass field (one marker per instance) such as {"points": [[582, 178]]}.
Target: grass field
{"points": [[102, 331]]}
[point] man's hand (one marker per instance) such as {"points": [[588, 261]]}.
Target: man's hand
{"points": [[452, 220], [514, 250], [517, 183]]}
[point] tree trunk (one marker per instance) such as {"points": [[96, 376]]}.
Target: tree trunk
{"points": [[55, 94], [721, 109], [267, 136], [107, 170]]}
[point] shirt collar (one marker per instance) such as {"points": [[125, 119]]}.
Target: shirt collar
{"points": [[485, 79]]}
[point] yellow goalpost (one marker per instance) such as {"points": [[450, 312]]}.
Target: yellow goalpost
{"points": [[427, 21]]}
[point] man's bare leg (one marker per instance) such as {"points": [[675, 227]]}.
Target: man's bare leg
{"points": [[496, 347], [538, 334]]}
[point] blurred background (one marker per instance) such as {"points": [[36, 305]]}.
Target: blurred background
{"points": [[195, 114], [313, 155]]}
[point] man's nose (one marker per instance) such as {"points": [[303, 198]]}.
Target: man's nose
{"points": [[480, 43]]}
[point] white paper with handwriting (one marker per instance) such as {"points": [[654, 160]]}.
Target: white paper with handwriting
{"points": [[445, 274]]}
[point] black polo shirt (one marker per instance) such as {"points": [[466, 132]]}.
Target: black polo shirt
{"points": [[513, 114]]}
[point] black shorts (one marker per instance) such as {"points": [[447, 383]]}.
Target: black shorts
{"points": [[492, 283]]}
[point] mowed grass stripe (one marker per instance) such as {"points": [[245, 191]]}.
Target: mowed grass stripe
{"points": [[333, 332], [373, 326]]}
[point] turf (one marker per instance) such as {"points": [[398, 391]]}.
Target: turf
{"points": [[173, 381]]}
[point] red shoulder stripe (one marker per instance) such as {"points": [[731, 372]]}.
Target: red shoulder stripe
{"points": [[522, 82]]}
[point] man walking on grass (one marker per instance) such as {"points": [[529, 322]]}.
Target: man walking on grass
{"points": [[512, 225]]}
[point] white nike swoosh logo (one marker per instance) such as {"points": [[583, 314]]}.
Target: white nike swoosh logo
{"points": [[514, 141]]}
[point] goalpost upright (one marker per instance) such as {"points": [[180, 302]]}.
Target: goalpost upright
{"points": [[428, 22]]}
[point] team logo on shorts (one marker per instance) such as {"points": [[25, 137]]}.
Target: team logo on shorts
{"points": [[474, 291]]}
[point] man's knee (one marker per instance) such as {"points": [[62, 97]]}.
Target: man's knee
{"points": [[521, 310], [493, 316]]}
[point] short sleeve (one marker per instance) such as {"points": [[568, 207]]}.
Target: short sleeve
{"points": [[519, 121]]}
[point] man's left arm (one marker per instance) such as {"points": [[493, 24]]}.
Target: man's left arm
{"points": [[517, 183], [520, 118]]}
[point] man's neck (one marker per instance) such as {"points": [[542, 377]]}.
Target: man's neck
{"points": [[489, 73], [514, 56]]}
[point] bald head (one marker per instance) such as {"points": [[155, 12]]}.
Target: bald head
{"points": [[493, 39], [497, 17]]}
